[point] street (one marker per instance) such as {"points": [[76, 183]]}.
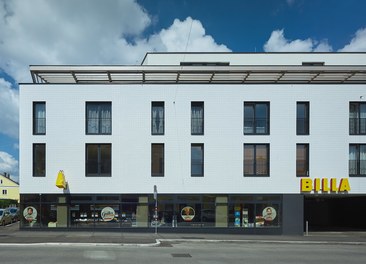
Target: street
{"points": [[186, 252]]}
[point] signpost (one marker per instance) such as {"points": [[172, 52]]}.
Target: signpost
{"points": [[156, 209]]}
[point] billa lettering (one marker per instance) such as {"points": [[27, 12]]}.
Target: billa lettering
{"points": [[324, 185]]}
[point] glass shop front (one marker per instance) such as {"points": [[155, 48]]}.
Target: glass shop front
{"points": [[174, 212]]}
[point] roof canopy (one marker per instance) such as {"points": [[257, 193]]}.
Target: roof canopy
{"points": [[153, 74]]}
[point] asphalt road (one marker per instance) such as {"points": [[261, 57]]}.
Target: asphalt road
{"points": [[186, 252]]}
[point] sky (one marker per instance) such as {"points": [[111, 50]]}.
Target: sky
{"points": [[54, 32]]}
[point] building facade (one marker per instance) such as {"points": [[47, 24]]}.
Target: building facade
{"points": [[232, 142], [9, 189]]}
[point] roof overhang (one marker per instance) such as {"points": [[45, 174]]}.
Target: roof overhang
{"points": [[293, 74]]}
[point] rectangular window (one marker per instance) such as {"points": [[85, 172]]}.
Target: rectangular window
{"points": [[39, 160], [302, 118], [157, 118], [98, 118], [39, 118], [357, 160], [256, 159], [5, 192], [256, 118], [357, 118], [302, 160], [197, 118], [157, 159], [197, 160], [98, 159]]}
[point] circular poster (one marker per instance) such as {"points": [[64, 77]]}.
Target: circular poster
{"points": [[30, 214], [187, 213], [107, 214], [269, 213]]}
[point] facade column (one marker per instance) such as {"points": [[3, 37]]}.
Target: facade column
{"points": [[221, 212], [61, 212], [142, 211]]}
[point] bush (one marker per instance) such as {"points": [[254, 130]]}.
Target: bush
{"points": [[7, 202]]}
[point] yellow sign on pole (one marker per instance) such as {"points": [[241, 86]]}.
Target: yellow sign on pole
{"points": [[60, 181]]}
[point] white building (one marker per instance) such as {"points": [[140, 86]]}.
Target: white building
{"points": [[226, 137]]}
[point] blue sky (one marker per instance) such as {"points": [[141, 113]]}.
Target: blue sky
{"points": [[121, 32]]}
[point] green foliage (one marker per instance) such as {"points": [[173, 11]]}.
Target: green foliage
{"points": [[7, 202]]}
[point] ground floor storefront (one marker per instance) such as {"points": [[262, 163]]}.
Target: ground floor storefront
{"points": [[233, 213]]}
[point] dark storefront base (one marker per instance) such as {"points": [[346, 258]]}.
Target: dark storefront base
{"points": [[335, 213], [216, 213]]}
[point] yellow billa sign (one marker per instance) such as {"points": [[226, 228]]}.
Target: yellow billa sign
{"points": [[60, 181], [324, 185]]}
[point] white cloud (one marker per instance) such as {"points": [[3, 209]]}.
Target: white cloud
{"points": [[278, 43], [9, 109], [188, 35], [9, 165], [358, 42], [99, 32]]}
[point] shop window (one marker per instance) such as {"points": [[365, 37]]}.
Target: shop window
{"points": [[357, 118], [39, 118], [254, 213], [98, 118], [197, 118], [256, 118], [357, 160], [39, 160], [197, 160], [157, 118], [256, 159], [302, 118], [157, 159], [98, 159], [302, 160], [107, 215]]}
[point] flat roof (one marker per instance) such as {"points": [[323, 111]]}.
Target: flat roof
{"points": [[176, 74]]}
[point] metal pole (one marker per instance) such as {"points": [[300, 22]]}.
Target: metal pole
{"points": [[307, 228], [156, 209]]}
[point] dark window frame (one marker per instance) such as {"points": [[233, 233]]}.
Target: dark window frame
{"points": [[161, 165], [99, 160], [303, 122], [358, 167], [357, 125], [100, 119], [200, 163], [194, 129], [255, 162], [39, 163], [307, 162], [157, 104], [36, 120], [256, 119]]}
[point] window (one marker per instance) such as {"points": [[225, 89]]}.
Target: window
{"points": [[357, 118], [197, 118], [39, 160], [256, 159], [98, 159], [302, 118], [39, 118], [256, 118], [197, 160], [157, 118], [98, 118], [302, 160], [357, 160], [157, 159], [5, 192]]}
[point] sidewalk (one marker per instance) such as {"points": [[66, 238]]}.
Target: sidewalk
{"points": [[12, 235]]}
